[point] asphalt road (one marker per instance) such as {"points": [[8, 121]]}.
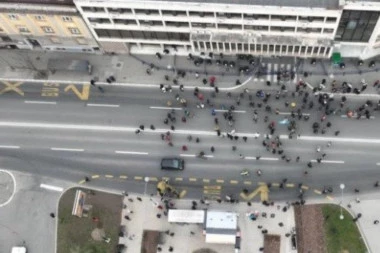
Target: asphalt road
{"points": [[49, 130]]}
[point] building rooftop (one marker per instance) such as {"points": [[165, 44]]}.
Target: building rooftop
{"points": [[327, 4], [40, 2], [221, 220]]}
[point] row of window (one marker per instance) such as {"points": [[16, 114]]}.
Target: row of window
{"points": [[211, 25], [211, 14], [40, 17], [260, 48], [146, 35], [48, 29]]}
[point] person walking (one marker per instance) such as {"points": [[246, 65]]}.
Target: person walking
{"points": [[212, 149]]}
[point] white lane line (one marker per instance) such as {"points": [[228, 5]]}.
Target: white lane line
{"points": [[236, 111], [9, 199], [103, 105], [51, 187], [165, 108], [289, 113], [40, 102], [309, 85], [262, 158], [186, 155], [337, 139], [328, 161], [68, 149], [131, 152], [10, 147], [354, 117], [378, 164]]}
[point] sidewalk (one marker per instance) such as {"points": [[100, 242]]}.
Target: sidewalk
{"points": [[132, 69], [188, 237]]}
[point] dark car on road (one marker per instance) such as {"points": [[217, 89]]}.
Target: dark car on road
{"points": [[172, 164]]}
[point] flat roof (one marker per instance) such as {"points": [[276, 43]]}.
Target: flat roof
{"points": [[219, 219], [327, 4], [42, 2]]}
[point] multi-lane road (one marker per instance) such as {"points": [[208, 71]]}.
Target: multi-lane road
{"points": [[71, 131]]}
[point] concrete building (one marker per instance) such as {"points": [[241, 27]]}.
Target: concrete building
{"points": [[52, 25]]}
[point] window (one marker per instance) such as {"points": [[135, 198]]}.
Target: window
{"points": [[13, 16], [39, 18], [23, 29], [47, 29], [67, 19], [330, 19], [74, 30]]}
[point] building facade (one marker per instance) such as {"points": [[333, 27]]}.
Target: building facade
{"points": [[44, 27]]}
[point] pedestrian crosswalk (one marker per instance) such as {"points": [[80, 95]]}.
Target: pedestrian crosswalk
{"points": [[269, 72]]}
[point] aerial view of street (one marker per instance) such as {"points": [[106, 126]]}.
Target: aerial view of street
{"points": [[192, 127]]}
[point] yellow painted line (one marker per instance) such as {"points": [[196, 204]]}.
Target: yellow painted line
{"points": [[276, 184], [215, 192], [82, 181], [192, 179], [318, 192], [247, 182], [179, 179], [182, 194], [305, 187], [212, 187], [109, 176], [165, 178], [262, 183], [123, 177], [290, 185], [243, 196], [81, 95], [206, 180], [220, 181], [234, 182], [138, 178], [94, 176], [154, 179], [329, 198], [12, 87]]}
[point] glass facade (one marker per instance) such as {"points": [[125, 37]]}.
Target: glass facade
{"points": [[356, 26]]}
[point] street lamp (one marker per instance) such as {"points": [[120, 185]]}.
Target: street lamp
{"points": [[341, 201]]}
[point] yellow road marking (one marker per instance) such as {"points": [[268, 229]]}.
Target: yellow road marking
{"points": [[50, 90], [154, 179], [221, 181], [109, 176], [263, 190], [123, 177], [179, 179], [234, 182], [329, 197], [165, 178], [182, 194], [192, 179], [305, 187], [82, 181], [317, 191], [206, 180], [262, 183], [95, 176], [12, 87], [290, 185], [276, 184], [81, 95], [138, 178], [211, 192], [247, 182], [212, 187]]}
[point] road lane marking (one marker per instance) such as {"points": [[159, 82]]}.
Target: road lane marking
{"points": [[289, 185], [186, 155], [234, 111], [220, 181], [68, 149], [40, 102], [338, 139], [9, 86], [108, 176], [304, 187], [354, 117], [206, 180], [131, 152], [329, 197], [247, 182], [10, 147], [318, 192], [103, 105], [289, 113], [81, 95], [234, 182], [262, 158], [138, 178], [165, 108], [153, 179], [51, 187], [328, 161], [192, 179], [178, 179], [123, 177], [275, 184], [95, 176]]}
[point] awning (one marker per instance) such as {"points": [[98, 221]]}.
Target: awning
{"points": [[221, 238]]}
